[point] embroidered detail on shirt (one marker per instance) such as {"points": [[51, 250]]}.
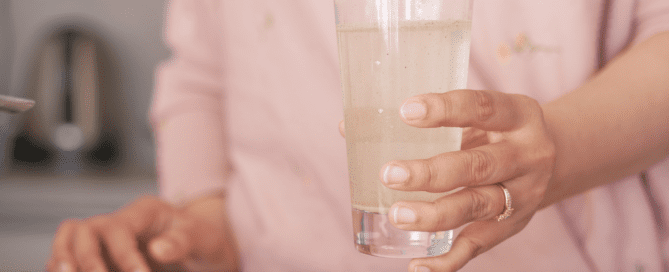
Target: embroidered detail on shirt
{"points": [[269, 20], [503, 53], [305, 179], [522, 43], [266, 25]]}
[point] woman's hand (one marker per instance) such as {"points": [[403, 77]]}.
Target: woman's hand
{"points": [[146, 235], [505, 141]]}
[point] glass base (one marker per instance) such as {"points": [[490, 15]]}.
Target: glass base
{"points": [[375, 235]]}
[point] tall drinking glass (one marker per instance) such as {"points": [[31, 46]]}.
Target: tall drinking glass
{"points": [[390, 50]]}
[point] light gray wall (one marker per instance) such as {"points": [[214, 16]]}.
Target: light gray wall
{"points": [[6, 52], [6, 46], [134, 30]]}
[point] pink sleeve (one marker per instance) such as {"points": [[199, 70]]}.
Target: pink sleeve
{"points": [[652, 17], [186, 113]]}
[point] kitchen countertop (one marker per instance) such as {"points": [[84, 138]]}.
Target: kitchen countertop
{"points": [[32, 207]]}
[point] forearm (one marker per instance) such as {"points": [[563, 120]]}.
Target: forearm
{"points": [[615, 125], [187, 110], [192, 155]]}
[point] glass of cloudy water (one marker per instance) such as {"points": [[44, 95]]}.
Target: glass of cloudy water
{"points": [[390, 50]]}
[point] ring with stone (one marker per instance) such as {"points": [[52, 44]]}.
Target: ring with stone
{"points": [[507, 204]]}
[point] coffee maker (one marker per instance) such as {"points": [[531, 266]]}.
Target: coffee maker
{"points": [[72, 128]]}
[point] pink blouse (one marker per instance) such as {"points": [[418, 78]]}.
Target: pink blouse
{"points": [[250, 101]]}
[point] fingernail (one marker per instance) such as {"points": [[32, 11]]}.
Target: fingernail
{"points": [[421, 269], [141, 269], [404, 215], [162, 248], [413, 110], [395, 175], [65, 267]]}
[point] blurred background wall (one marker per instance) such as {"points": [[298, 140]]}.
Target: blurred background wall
{"points": [[6, 50], [6, 45], [133, 31]]}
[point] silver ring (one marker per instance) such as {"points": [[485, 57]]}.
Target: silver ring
{"points": [[507, 204]]}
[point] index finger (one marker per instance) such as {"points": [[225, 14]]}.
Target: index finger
{"points": [[146, 217], [486, 110], [62, 258]]}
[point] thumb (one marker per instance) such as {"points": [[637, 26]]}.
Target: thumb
{"points": [[175, 243]]}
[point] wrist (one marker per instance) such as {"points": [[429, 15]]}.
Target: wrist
{"points": [[210, 207], [556, 190], [218, 249]]}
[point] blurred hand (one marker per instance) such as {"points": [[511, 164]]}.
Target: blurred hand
{"points": [[145, 236], [505, 141]]}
